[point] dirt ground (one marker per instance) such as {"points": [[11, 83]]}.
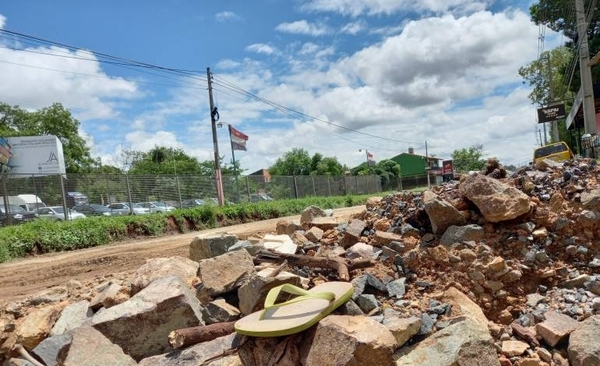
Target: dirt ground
{"points": [[31, 275]]}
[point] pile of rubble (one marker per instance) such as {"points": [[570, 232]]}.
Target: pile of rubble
{"points": [[493, 269]]}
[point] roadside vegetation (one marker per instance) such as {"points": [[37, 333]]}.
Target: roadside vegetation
{"points": [[45, 236]]}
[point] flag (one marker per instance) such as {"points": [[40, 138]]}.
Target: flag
{"points": [[238, 139], [370, 156]]}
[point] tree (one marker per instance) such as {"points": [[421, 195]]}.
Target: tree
{"points": [[546, 76], [557, 15], [465, 160], [54, 120], [294, 162], [164, 160]]}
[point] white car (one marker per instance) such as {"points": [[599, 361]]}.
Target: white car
{"points": [[58, 213], [156, 206]]}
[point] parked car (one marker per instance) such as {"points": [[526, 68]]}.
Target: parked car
{"points": [[76, 198], [122, 208], [156, 206], [18, 215], [58, 213], [92, 209], [261, 197], [191, 203]]}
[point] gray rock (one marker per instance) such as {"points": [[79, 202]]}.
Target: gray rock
{"points": [[402, 328], [375, 282], [427, 323], [367, 302], [466, 342], [360, 251], [588, 218], [578, 281], [73, 316], [211, 245], [109, 296], [89, 347], [219, 311], [397, 288], [591, 199], [441, 213], [197, 354], [534, 299], [584, 348], [350, 308], [458, 234], [142, 324], [49, 348]]}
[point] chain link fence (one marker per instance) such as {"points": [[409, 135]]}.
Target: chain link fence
{"points": [[174, 189]]}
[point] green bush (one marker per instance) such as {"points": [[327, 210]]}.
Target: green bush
{"points": [[44, 236]]}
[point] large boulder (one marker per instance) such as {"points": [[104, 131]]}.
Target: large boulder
{"points": [[225, 273], [89, 347], [495, 200], [73, 316], [584, 348], [211, 245], [351, 341], [461, 304], [441, 214], [464, 343], [198, 354], [156, 268], [459, 234], [142, 324]]}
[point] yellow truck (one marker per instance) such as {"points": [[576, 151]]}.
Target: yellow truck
{"points": [[558, 151]]}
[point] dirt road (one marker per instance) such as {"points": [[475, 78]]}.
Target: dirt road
{"points": [[30, 275]]}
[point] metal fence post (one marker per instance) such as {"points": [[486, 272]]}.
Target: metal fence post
{"points": [[248, 188], [178, 189], [129, 198], [295, 187], [314, 188], [329, 185]]}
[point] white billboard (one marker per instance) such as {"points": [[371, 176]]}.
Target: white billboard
{"points": [[32, 155]]}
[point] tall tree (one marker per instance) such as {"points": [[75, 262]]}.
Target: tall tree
{"points": [[559, 15], [53, 120], [164, 160], [545, 76], [468, 159], [294, 162]]}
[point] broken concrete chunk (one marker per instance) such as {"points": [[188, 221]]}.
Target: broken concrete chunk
{"points": [[142, 324], [89, 347], [280, 243], [160, 267], [351, 340], [556, 327], [210, 245], [310, 213], [226, 272]]}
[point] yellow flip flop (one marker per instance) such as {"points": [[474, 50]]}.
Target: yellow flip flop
{"points": [[297, 314]]}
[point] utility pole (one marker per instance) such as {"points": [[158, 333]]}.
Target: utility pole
{"points": [[555, 135], [427, 166], [589, 110], [213, 114]]}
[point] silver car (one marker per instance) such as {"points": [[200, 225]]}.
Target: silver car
{"points": [[58, 213], [156, 206], [122, 208]]}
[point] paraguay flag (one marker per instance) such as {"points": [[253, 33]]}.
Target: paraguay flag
{"points": [[238, 139]]}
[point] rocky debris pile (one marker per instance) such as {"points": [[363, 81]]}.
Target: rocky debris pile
{"points": [[488, 270]]}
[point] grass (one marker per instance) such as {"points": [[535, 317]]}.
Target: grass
{"points": [[45, 236]]}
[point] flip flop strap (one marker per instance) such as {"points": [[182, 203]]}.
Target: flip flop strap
{"points": [[294, 290]]}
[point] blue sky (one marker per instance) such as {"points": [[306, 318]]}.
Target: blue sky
{"points": [[330, 76]]}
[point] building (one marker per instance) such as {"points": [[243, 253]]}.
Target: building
{"points": [[264, 173], [412, 164]]}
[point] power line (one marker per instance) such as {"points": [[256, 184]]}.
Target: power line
{"points": [[284, 109]]}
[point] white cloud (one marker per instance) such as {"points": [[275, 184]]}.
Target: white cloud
{"points": [[261, 48], [354, 27], [388, 7], [420, 67], [304, 27], [2, 21], [227, 16], [45, 76]]}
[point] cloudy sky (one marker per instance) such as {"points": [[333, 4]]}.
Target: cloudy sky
{"points": [[330, 76]]}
